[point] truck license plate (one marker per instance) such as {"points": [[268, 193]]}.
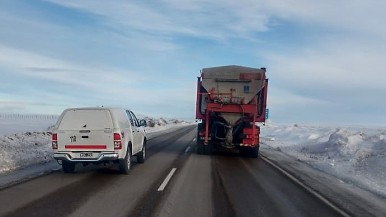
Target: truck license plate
{"points": [[86, 155]]}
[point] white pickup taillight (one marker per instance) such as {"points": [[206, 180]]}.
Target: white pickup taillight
{"points": [[54, 141], [117, 141]]}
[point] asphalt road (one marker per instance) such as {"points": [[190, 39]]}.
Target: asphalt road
{"points": [[174, 181]]}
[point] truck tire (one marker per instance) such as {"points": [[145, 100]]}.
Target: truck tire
{"points": [[243, 151], [252, 152], [141, 156], [208, 149], [200, 143], [68, 167], [199, 147], [125, 164]]}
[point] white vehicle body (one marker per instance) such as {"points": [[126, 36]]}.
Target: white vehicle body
{"points": [[95, 135]]}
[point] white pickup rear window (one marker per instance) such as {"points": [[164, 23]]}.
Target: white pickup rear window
{"points": [[86, 119]]}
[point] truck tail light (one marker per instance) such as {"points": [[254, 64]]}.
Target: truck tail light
{"points": [[54, 141], [117, 141]]}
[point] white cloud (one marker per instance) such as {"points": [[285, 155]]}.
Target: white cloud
{"points": [[50, 69], [204, 19], [95, 86], [336, 65], [12, 106], [334, 81], [285, 99], [51, 74], [227, 19], [353, 15]]}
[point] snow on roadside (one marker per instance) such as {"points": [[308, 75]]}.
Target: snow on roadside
{"points": [[354, 155], [162, 124], [23, 149]]}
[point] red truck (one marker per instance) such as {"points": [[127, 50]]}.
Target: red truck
{"points": [[231, 100]]}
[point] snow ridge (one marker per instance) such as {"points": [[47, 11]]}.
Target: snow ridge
{"points": [[354, 155]]}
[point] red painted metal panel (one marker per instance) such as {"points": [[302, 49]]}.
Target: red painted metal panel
{"points": [[249, 142], [207, 126], [85, 146], [261, 118], [248, 131], [198, 99], [233, 108], [251, 76]]}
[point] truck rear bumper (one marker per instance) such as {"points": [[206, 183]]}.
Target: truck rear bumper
{"points": [[248, 145], [102, 157]]}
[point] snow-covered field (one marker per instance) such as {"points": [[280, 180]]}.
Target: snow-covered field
{"points": [[26, 142], [355, 155]]}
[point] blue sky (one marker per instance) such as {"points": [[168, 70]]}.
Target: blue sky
{"points": [[325, 59]]}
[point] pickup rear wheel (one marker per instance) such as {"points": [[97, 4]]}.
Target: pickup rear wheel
{"points": [[125, 164], [141, 156], [68, 167]]}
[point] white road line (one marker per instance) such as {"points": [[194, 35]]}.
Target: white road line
{"points": [[167, 179], [313, 192], [194, 139], [187, 149]]}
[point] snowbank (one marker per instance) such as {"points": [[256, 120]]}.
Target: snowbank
{"points": [[162, 124], [354, 155], [23, 149]]}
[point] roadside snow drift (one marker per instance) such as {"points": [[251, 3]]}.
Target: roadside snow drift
{"points": [[354, 155], [24, 149]]}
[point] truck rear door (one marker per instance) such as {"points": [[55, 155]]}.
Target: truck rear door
{"points": [[86, 130]]}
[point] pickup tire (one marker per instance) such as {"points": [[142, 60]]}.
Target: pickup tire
{"points": [[68, 167], [125, 164], [141, 156]]}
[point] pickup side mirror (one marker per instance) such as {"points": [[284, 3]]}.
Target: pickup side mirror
{"points": [[142, 123]]}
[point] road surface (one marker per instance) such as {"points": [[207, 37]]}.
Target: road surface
{"points": [[174, 181]]}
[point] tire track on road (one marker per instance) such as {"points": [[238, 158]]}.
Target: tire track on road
{"points": [[221, 201], [65, 200], [150, 201]]}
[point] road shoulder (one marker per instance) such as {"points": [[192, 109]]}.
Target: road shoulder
{"points": [[346, 196]]}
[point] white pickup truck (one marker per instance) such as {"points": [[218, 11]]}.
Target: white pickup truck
{"points": [[98, 135]]}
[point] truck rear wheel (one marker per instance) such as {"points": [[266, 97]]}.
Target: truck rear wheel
{"points": [[125, 164], [199, 146], [252, 152], [208, 149], [68, 167]]}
